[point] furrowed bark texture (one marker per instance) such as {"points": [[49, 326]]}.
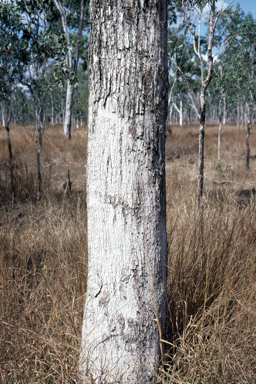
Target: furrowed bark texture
{"points": [[127, 248]]}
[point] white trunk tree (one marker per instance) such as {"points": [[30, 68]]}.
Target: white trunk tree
{"points": [[180, 112], [125, 313], [70, 87]]}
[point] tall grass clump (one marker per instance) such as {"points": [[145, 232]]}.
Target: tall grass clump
{"points": [[211, 261], [43, 265]]}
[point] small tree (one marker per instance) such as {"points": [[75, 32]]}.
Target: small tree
{"points": [[68, 12], [12, 61], [189, 8], [239, 59], [45, 48]]}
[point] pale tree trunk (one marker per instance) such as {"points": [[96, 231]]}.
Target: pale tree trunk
{"points": [[202, 103], [68, 110], [125, 313], [70, 87], [219, 133], [238, 116], [224, 112], [181, 113], [242, 116], [179, 110]]}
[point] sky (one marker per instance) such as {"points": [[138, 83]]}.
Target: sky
{"points": [[247, 6]]}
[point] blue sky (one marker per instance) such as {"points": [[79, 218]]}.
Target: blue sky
{"points": [[247, 6]]}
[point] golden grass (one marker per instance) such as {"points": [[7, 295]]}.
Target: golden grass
{"points": [[211, 267]]}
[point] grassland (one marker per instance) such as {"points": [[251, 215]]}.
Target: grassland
{"points": [[211, 267]]}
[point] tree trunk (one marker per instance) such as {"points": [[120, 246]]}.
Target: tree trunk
{"points": [[181, 113], [10, 160], [70, 87], [6, 118], [201, 157], [219, 133], [224, 112], [40, 132], [238, 116], [68, 110], [126, 311], [249, 126], [52, 115]]}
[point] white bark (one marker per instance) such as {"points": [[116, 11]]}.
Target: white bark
{"points": [[125, 311], [179, 110], [238, 116], [70, 87], [219, 135], [224, 112]]}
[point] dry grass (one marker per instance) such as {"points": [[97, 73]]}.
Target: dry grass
{"points": [[212, 264]]}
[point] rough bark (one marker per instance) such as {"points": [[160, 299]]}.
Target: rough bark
{"points": [[126, 311], [201, 157]]}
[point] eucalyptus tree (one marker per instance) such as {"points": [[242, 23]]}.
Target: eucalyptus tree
{"points": [[81, 94], [125, 313], [46, 49], [239, 59], [180, 50], [190, 9], [72, 15], [12, 62]]}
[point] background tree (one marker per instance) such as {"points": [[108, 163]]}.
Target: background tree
{"points": [[45, 48], [125, 312], [12, 62], [72, 16]]}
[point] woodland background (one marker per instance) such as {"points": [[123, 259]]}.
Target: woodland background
{"points": [[43, 245]]}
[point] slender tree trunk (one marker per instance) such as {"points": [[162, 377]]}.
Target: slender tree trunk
{"points": [[219, 133], [39, 176], [52, 115], [6, 118], [126, 311], [70, 87], [40, 131], [10, 160], [68, 110], [249, 126], [181, 113], [201, 156], [224, 112], [202, 103], [238, 116]]}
